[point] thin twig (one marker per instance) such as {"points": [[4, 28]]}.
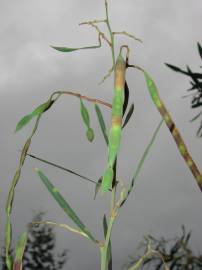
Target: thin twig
{"points": [[90, 99], [127, 34]]}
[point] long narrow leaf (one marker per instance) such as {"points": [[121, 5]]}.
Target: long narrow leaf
{"points": [[19, 251], [101, 122], [126, 97], [65, 49], [63, 204], [128, 116], [23, 122], [141, 162]]}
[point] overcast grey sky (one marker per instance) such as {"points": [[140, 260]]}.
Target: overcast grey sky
{"points": [[166, 194]]}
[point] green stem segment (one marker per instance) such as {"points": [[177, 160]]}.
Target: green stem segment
{"points": [[116, 121]]}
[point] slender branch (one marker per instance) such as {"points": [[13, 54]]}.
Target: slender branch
{"points": [[98, 30], [110, 32], [90, 99], [64, 226], [127, 34]]}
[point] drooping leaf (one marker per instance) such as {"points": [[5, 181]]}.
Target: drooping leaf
{"points": [[97, 187], [199, 49], [42, 108], [27, 118], [23, 122], [126, 97], [90, 134], [101, 122], [63, 204], [128, 116], [84, 114], [64, 49]]}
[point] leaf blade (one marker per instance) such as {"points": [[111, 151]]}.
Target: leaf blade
{"points": [[128, 116], [101, 122], [23, 122], [63, 204]]}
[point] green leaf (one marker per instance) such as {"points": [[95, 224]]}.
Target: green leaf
{"points": [[23, 122], [90, 134], [142, 160], [20, 247], [63, 204], [128, 116], [84, 114], [64, 49], [109, 249], [101, 122], [42, 108]]}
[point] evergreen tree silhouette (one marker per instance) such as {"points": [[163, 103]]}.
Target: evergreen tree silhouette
{"points": [[39, 252]]}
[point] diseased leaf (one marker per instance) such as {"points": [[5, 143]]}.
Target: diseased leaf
{"points": [[64, 49], [23, 122], [101, 122], [128, 116], [126, 97], [63, 204], [199, 49]]}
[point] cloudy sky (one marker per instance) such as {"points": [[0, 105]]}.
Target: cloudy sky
{"points": [[166, 195]]}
